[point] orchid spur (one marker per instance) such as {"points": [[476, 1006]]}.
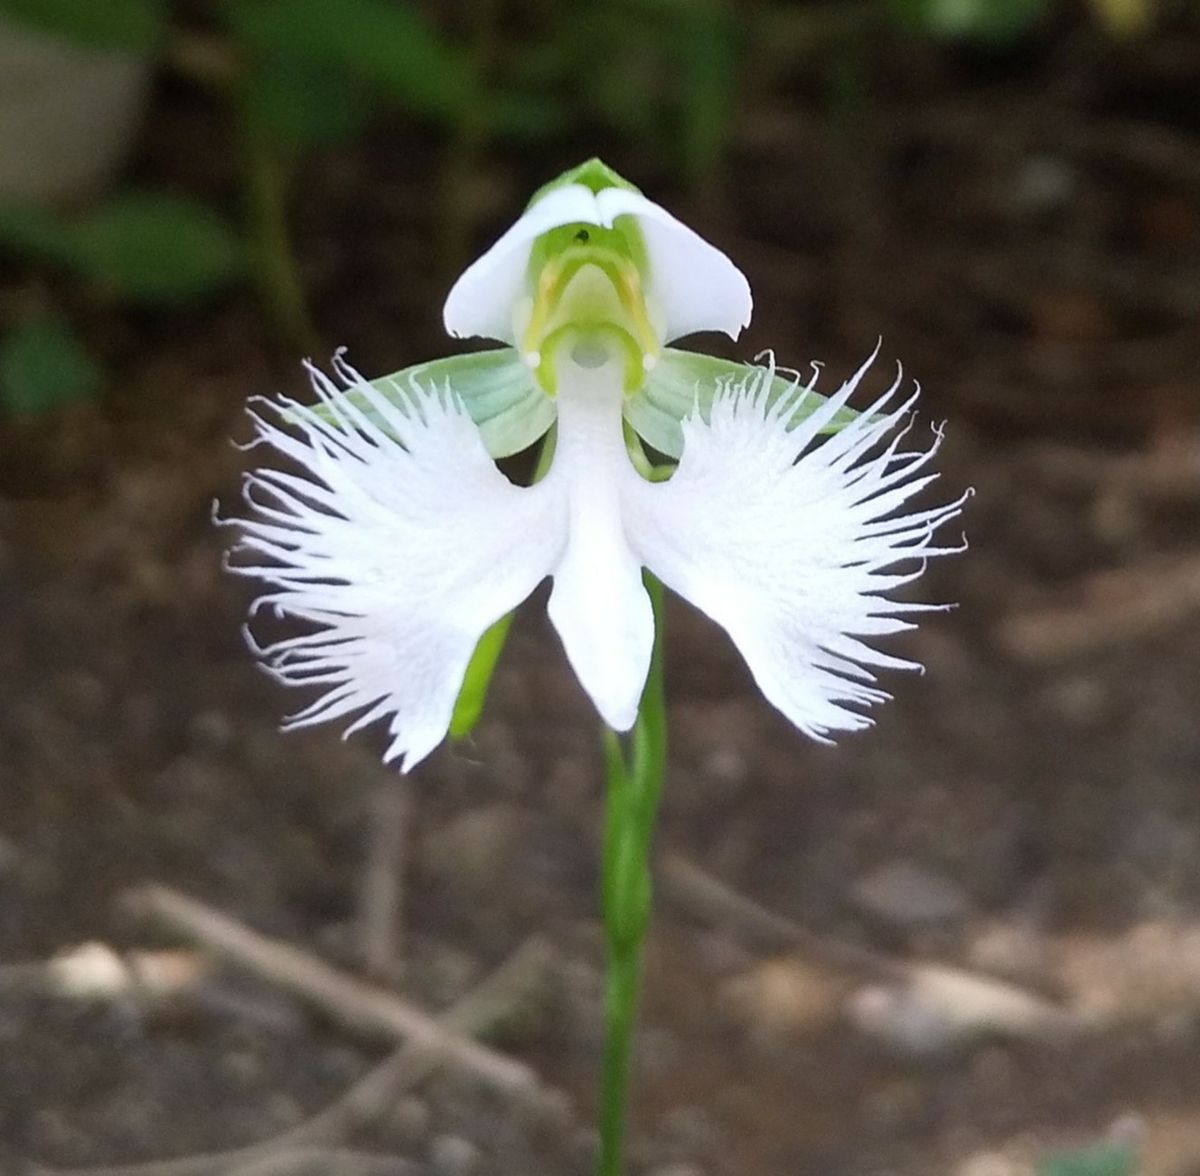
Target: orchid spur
{"points": [[400, 543]]}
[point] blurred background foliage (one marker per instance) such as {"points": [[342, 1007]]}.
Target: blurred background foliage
{"points": [[298, 76]]}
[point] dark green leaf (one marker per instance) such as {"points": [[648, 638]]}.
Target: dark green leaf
{"points": [[708, 55], [153, 248], [994, 22], [524, 116], [303, 107], [44, 365], [36, 233], [132, 25], [389, 46]]}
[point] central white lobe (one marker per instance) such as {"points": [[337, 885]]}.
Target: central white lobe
{"points": [[599, 605]]}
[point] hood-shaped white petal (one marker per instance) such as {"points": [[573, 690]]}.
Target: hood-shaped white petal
{"points": [[693, 285], [599, 604], [481, 302], [399, 543], [791, 543]]}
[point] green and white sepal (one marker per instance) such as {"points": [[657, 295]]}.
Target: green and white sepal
{"points": [[511, 411], [686, 382], [399, 545], [495, 388]]}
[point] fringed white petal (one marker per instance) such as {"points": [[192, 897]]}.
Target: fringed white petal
{"points": [[399, 545], [695, 287], [791, 543]]}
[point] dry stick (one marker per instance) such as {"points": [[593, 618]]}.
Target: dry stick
{"points": [[492, 1001], [382, 900], [328, 1162], [705, 898], [364, 1008], [708, 899], [1114, 606]]}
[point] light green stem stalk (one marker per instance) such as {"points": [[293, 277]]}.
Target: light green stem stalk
{"points": [[634, 785], [265, 170]]}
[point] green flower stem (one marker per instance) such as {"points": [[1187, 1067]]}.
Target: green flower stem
{"points": [[266, 175], [634, 779]]}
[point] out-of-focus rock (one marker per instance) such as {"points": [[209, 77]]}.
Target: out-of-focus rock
{"points": [[476, 848], [1151, 970], [940, 1009], [906, 897], [784, 996], [993, 1164], [452, 1155], [1013, 950]]}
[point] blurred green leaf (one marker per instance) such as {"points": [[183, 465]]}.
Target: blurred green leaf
{"points": [[530, 117], [1104, 1159], [34, 232], [708, 52], [132, 25], [302, 107], [155, 248], [143, 246], [390, 46], [43, 365], [1126, 18], [994, 22]]}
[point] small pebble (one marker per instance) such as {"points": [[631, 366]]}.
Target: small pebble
{"points": [[991, 1164], [409, 1119], [691, 1129], [452, 1155], [908, 897], [212, 730]]}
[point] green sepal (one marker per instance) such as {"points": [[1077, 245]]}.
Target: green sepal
{"points": [[473, 693], [684, 380], [594, 174], [496, 388]]}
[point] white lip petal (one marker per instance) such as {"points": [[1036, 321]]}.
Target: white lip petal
{"points": [[482, 300], [791, 544], [398, 547], [695, 286], [599, 604]]}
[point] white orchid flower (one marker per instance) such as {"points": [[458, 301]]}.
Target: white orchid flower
{"points": [[399, 542]]}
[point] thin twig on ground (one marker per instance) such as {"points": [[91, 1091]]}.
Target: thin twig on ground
{"points": [[381, 909], [327, 1162], [1109, 608], [964, 1003], [706, 898], [363, 1008], [497, 999]]}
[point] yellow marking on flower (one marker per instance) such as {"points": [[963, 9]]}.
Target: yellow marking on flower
{"points": [[588, 291]]}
